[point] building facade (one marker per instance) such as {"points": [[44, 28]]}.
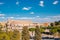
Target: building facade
{"points": [[19, 24]]}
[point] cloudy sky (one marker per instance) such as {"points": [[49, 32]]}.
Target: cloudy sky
{"points": [[36, 10]]}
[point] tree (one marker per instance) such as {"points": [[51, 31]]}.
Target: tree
{"points": [[37, 33], [16, 35], [10, 34], [1, 28], [58, 31], [4, 36], [59, 22], [6, 25], [56, 23], [32, 30], [54, 31], [52, 24], [25, 33], [41, 30]]}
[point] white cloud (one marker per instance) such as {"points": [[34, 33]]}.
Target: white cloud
{"points": [[1, 3], [26, 8], [16, 17], [37, 16], [11, 17], [17, 3], [32, 13], [25, 18], [57, 16], [41, 3], [44, 18], [47, 18], [55, 2], [54, 18], [2, 15]]}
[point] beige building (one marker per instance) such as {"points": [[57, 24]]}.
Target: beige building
{"points": [[19, 24]]}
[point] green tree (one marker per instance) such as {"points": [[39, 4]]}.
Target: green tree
{"points": [[52, 24], [37, 33], [54, 31], [56, 23], [59, 22], [10, 34], [25, 33], [1, 28], [58, 31], [6, 25], [32, 30], [16, 35], [41, 30], [4, 36]]}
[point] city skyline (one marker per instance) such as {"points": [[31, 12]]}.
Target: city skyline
{"points": [[35, 10]]}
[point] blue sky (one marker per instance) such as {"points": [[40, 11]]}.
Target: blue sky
{"points": [[36, 10]]}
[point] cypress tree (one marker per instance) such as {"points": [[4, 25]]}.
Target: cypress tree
{"points": [[37, 33], [25, 33]]}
